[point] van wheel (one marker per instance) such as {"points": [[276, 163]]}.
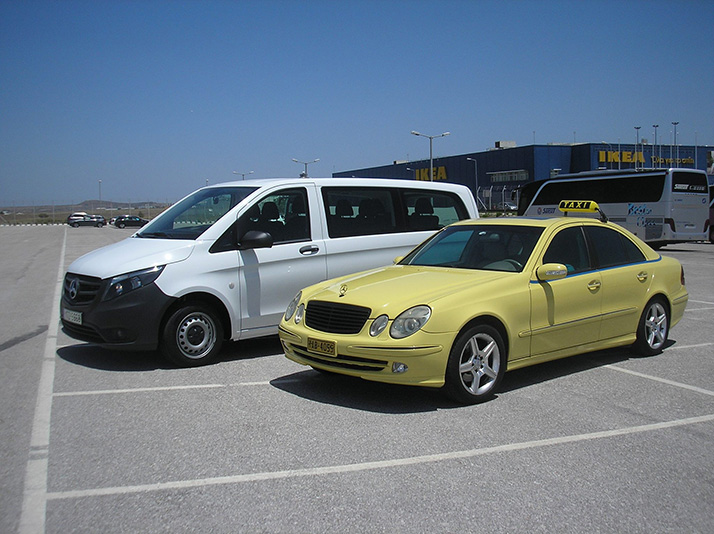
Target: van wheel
{"points": [[653, 328], [193, 336], [476, 365]]}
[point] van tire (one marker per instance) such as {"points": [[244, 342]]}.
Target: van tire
{"points": [[192, 336]]}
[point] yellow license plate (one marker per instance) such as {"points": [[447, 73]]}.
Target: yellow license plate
{"points": [[321, 346]]}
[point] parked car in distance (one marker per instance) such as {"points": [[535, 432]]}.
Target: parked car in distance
{"points": [[487, 296], [507, 206], [81, 218], [123, 221], [224, 262]]}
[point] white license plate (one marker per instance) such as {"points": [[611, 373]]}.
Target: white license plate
{"points": [[72, 316], [321, 346]]}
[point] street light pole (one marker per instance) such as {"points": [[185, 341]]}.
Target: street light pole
{"points": [[637, 144], [431, 151], [242, 174], [306, 163], [675, 144], [655, 126]]}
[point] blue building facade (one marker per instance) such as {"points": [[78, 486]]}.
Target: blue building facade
{"points": [[493, 174]]}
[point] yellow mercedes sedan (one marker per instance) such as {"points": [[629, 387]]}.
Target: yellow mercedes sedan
{"points": [[486, 296]]}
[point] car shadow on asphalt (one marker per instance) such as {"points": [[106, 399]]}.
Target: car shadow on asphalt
{"points": [[106, 359], [103, 359], [359, 394]]}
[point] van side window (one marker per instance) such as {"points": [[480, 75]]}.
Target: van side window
{"points": [[283, 215], [354, 211], [432, 210]]}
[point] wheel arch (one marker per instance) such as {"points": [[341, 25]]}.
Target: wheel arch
{"points": [[205, 299], [492, 321]]}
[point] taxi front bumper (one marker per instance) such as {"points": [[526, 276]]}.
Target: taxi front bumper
{"points": [[419, 360]]}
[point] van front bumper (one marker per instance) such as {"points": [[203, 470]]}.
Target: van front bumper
{"points": [[129, 322]]}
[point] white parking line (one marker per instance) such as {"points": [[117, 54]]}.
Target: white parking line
{"points": [[367, 466], [34, 501], [158, 388], [662, 380]]}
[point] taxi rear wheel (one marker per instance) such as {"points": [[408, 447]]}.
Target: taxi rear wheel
{"points": [[653, 328], [193, 336], [476, 365]]}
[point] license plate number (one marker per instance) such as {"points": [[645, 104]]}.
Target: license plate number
{"points": [[321, 346], [72, 316]]}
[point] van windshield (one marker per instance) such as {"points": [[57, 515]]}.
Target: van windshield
{"points": [[192, 216]]}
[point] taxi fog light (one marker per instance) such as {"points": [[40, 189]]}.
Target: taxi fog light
{"points": [[299, 314], [378, 325], [398, 367]]}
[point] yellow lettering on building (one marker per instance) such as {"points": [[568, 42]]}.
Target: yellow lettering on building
{"points": [[615, 156], [439, 174]]}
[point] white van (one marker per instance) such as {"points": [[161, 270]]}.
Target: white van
{"points": [[224, 262]]}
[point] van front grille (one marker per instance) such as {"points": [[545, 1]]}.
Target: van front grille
{"points": [[80, 289], [335, 318]]}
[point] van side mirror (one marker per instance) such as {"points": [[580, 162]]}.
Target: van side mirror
{"points": [[255, 239], [551, 271]]}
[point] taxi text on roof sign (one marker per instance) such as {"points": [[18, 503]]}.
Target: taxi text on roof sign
{"points": [[587, 206]]}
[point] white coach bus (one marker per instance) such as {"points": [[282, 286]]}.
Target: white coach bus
{"points": [[660, 206]]}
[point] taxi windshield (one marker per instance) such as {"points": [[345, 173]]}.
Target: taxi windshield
{"points": [[481, 247], [195, 214]]}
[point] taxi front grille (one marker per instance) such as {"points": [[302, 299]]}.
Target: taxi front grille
{"points": [[80, 289], [335, 318]]}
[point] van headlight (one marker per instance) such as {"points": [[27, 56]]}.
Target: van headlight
{"points": [[290, 311], [410, 321], [125, 283]]}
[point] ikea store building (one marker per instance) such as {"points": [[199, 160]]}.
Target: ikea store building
{"points": [[495, 174]]}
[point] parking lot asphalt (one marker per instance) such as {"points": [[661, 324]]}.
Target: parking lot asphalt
{"points": [[94, 440]]}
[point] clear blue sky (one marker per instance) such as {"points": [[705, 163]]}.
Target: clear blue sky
{"points": [[156, 97]]}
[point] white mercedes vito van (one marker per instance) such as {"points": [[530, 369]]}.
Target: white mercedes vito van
{"points": [[224, 262]]}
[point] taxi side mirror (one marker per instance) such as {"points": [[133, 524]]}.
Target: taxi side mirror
{"points": [[398, 259], [551, 271]]}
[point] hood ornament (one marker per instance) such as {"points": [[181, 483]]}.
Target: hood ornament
{"points": [[343, 290]]}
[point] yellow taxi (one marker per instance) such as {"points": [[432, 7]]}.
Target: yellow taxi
{"points": [[486, 296]]}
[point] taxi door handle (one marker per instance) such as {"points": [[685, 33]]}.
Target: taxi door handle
{"points": [[642, 276], [309, 250], [594, 285]]}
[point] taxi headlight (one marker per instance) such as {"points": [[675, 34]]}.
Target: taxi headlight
{"points": [[300, 314], [410, 321], [378, 325], [123, 284], [293, 306]]}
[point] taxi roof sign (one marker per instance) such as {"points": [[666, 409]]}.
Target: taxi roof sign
{"points": [[581, 206]]}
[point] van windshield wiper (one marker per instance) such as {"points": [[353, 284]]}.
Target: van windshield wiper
{"points": [[153, 234]]}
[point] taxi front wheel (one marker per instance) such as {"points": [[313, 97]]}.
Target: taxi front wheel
{"points": [[653, 328], [193, 336], [476, 365]]}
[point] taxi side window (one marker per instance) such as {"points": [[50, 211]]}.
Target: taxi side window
{"points": [[569, 248], [611, 248]]}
